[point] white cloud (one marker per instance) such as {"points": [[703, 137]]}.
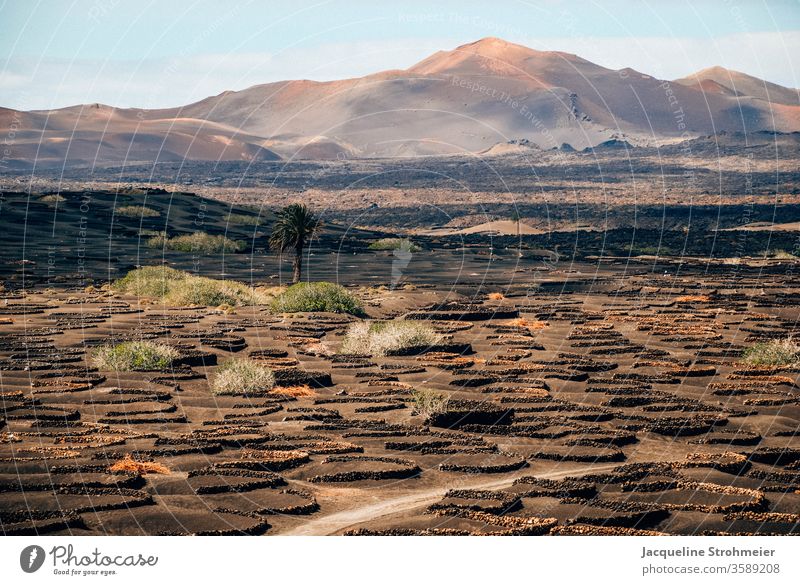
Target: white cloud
{"points": [[28, 83]]}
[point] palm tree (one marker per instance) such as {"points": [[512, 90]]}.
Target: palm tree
{"points": [[515, 217], [292, 230]]}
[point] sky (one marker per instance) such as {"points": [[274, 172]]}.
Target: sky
{"points": [[154, 54]]}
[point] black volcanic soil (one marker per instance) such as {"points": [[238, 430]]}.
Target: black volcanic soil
{"points": [[699, 185], [81, 240], [588, 399], [593, 369]]}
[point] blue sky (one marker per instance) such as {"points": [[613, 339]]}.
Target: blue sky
{"points": [[157, 54]]}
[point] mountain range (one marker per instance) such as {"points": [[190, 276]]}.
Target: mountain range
{"points": [[483, 97]]}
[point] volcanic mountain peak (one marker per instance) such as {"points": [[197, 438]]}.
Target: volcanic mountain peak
{"points": [[469, 99], [742, 84], [495, 48], [721, 75], [716, 70], [491, 56]]}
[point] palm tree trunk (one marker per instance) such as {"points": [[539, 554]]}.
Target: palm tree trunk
{"points": [[297, 265]]}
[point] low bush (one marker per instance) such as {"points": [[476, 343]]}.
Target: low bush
{"points": [[199, 290], [177, 288], [378, 338], [779, 255], [198, 242], [159, 242], [131, 356], [778, 352], [403, 244], [429, 402], [136, 211], [242, 376], [652, 251], [242, 219], [315, 297], [52, 198], [149, 281], [144, 233]]}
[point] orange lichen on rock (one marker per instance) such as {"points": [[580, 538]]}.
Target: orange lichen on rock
{"points": [[533, 325], [537, 392], [693, 299], [296, 391], [129, 465], [786, 380], [9, 438]]}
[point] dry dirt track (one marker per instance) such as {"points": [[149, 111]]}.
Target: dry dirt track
{"points": [[339, 521]]}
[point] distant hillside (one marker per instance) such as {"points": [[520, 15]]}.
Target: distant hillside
{"points": [[466, 100]]}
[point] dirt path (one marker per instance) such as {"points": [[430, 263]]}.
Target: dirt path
{"points": [[338, 521]]}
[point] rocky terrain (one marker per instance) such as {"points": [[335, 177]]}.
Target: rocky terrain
{"points": [[592, 311], [586, 400]]}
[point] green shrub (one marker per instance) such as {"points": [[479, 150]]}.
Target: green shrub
{"points": [[778, 352], [136, 211], [651, 251], [403, 244], [316, 296], [135, 356], [242, 219], [200, 290], [158, 242], [198, 242], [429, 402], [779, 255], [149, 281], [143, 233], [242, 376], [178, 288], [379, 338]]}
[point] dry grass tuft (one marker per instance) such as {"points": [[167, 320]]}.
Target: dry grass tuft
{"points": [[429, 402], [136, 211], [178, 288], [496, 296], [778, 352], [133, 356], [380, 338], [242, 376], [318, 348], [52, 198]]}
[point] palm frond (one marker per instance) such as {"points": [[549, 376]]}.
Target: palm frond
{"points": [[295, 224]]}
